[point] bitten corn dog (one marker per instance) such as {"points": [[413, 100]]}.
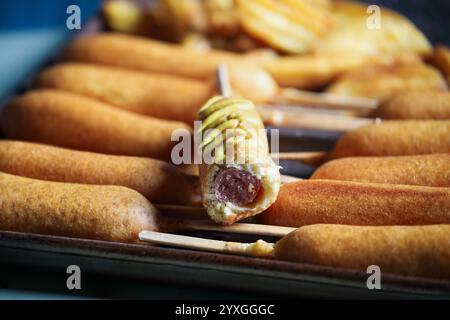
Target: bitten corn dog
{"points": [[416, 104], [108, 213], [408, 250], [156, 95], [153, 56], [343, 202], [395, 138], [422, 170], [240, 180], [73, 121], [158, 181]]}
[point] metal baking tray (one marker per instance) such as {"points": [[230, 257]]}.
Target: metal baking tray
{"points": [[224, 271], [186, 267]]}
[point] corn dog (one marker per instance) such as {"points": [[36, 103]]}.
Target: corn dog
{"points": [[395, 138], [343, 202], [148, 55], [108, 213], [158, 181], [416, 104], [408, 250], [421, 170], [73, 121], [155, 95]]}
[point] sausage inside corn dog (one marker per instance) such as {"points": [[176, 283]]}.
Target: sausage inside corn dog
{"points": [[148, 55], [416, 104], [408, 250], [155, 95], [72, 121], [395, 138], [343, 202], [158, 181], [422, 170], [109, 213]]}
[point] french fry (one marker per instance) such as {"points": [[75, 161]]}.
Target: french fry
{"points": [[383, 82], [316, 70], [280, 25], [351, 32]]}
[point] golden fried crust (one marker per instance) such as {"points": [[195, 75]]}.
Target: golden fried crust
{"points": [[154, 56], [83, 211], [342, 202], [382, 82], [396, 138], [156, 95], [73, 121], [408, 250], [416, 104], [158, 181], [422, 170], [442, 60]]}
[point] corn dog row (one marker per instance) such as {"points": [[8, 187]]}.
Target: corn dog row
{"points": [[109, 213], [395, 138], [153, 56], [422, 251], [76, 122], [353, 203], [150, 94], [153, 95], [416, 104], [432, 170], [158, 181], [68, 120], [252, 78]]}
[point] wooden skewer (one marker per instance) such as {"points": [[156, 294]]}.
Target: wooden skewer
{"points": [[287, 179], [280, 117], [289, 116], [181, 223], [223, 80], [326, 100], [207, 244], [300, 156], [241, 228]]}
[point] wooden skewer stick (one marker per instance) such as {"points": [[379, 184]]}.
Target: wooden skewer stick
{"points": [[181, 223], [207, 244], [299, 156], [223, 80], [282, 118], [241, 228], [289, 116], [326, 100], [287, 179]]}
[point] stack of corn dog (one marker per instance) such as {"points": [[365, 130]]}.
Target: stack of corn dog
{"points": [[88, 153]]}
